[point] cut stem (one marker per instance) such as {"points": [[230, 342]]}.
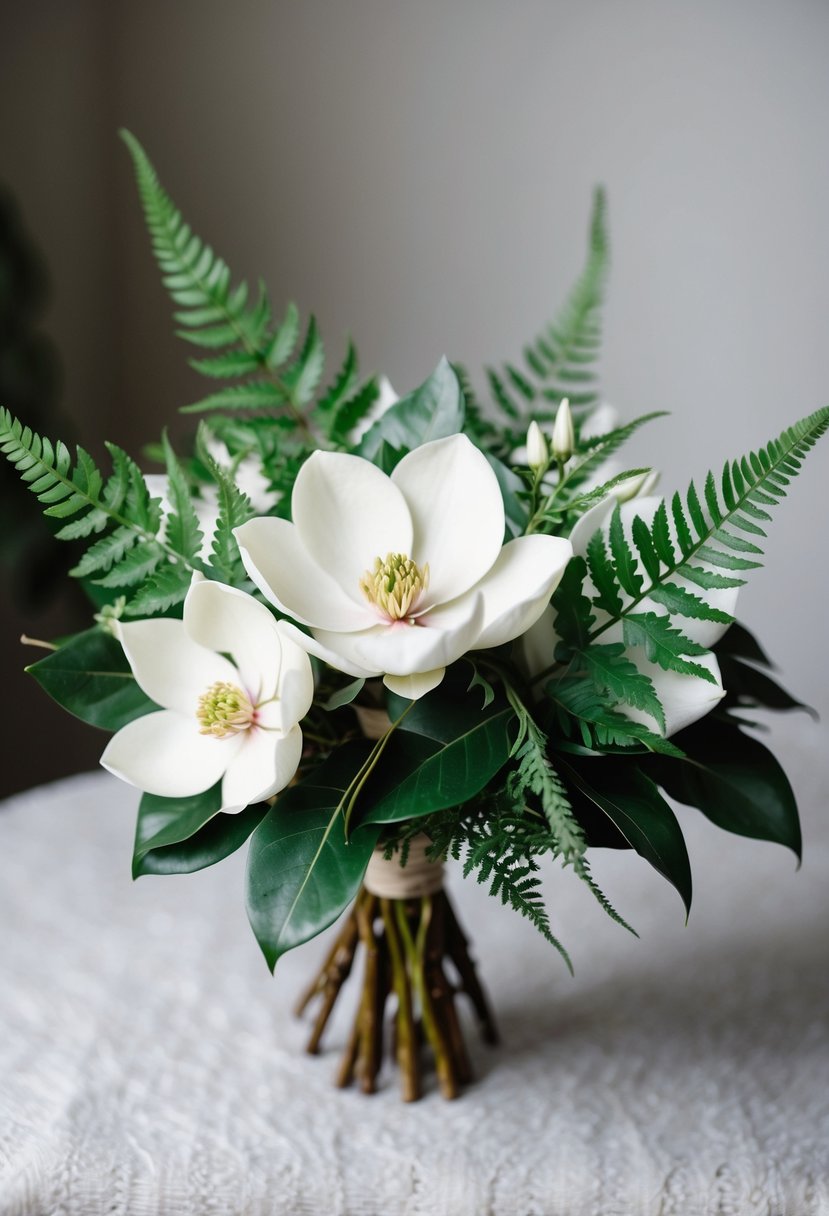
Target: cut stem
{"points": [[405, 945]]}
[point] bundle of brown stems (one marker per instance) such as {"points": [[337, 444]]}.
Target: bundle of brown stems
{"points": [[406, 945]]}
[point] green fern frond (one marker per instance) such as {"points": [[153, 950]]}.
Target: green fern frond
{"points": [[707, 540], [234, 510], [562, 361], [584, 873], [238, 334], [183, 531], [164, 589], [119, 510], [723, 534]]}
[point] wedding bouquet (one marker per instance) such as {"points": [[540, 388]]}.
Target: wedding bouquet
{"points": [[365, 634]]}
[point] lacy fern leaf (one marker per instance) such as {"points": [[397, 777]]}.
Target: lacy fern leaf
{"points": [[711, 546], [562, 360], [242, 342], [129, 550]]}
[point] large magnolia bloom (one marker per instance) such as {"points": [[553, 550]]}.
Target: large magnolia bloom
{"points": [[232, 690], [400, 576], [684, 698]]}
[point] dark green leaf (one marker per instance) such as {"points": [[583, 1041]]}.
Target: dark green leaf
{"points": [[418, 775], [635, 806], [91, 678], [433, 411], [734, 780], [302, 873], [182, 835]]}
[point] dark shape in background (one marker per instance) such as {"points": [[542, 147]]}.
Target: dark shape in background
{"points": [[38, 597], [31, 560]]}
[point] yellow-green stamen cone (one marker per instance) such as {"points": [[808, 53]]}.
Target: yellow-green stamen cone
{"points": [[394, 585], [224, 710]]}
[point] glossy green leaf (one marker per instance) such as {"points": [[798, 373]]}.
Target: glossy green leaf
{"points": [[90, 677], [433, 411], [636, 808], [166, 821], [302, 872], [734, 780], [215, 839], [419, 775], [344, 695], [511, 486]]}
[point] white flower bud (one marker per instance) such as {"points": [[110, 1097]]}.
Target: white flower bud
{"points": [[636, 487], [538, 456], [564, 437]]}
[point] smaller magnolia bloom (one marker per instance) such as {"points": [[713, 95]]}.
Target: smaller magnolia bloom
{"points": [[232, 688], [400, 576], [564, 434], [538, 455]]}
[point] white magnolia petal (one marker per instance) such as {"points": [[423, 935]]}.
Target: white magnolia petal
{"points": [[593, 519], [171, 668], [263, 766], [163, 753], [518, 587], [227, 620], [347, 512], [457, 511], [281, 567], [438, 639], [318, 645], [535, 650], [685, 699], [296, 679], [412, 687]]}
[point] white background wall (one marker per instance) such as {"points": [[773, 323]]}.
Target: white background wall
{"points": [[420, 176]]}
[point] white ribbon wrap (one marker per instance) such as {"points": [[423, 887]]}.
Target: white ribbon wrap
{"points": [[419, 876]]}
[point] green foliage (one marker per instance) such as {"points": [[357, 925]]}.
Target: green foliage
{"points": [[562, 361], [182, 835], [421, 775], [631, 574], [302, 873], [734, 780], [90, 677], [589, 718], [274, 371], [500, 846], [433, 411], [634, 805], [131, 554]]}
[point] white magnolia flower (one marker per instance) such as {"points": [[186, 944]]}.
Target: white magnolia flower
{"points": [[231, 718], [684, 698], [400, 576]]}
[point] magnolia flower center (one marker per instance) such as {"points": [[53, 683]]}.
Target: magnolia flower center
{"points": [[394, 585], [224, 710]]}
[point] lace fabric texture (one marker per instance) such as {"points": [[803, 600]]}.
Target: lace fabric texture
{"points": [[150, 1065]]}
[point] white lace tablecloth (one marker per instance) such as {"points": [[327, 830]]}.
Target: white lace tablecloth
{"points": [[149, 1064]]}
